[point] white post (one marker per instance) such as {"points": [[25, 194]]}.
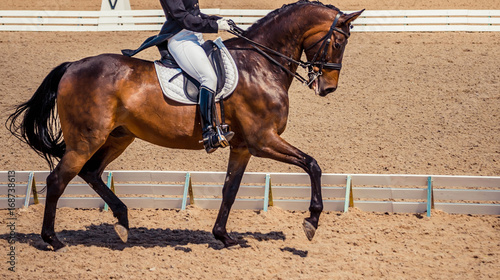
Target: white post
{"points": [[113, 5]]}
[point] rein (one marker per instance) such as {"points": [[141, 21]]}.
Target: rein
{"points": [[317, 61]]}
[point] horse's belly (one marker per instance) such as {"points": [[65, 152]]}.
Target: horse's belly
{"points": [[166, 125]]}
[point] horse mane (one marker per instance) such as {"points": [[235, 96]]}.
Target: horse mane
{"points": [[260, 22]]}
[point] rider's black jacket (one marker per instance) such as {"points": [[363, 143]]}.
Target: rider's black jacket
{"points": [[181, 14], [185, 14]]}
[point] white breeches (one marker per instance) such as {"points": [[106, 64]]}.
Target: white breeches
{"points": [[186, 49]]}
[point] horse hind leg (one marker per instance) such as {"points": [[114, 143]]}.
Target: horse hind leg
{"points": [[80, 146], [58, 179], [92, 172]]}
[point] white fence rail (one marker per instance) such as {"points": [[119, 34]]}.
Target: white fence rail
{"points": [[152, 20], [290, 191]]}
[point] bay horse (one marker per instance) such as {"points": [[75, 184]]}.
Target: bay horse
{"points": [[104, 102]]}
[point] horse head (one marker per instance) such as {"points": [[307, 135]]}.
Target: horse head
{"points": [[324, 47], [319, 30]]}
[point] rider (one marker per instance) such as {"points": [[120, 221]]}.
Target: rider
{"points": [[181, 37]]}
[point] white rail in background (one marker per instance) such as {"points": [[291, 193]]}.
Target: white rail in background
{"points": [[152, 20], [290, 191]]}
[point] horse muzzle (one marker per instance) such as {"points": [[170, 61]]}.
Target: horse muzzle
{"points": [[319, 88], [327, 91]]}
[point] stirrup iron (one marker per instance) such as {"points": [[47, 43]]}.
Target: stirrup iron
{"points": [[223, 142]]}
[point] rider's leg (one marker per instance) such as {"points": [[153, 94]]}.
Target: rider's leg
{"points": [[186, 48], [212, 138], [206, 101]]}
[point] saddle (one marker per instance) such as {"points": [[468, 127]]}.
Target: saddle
{"points": [[222, 64]]}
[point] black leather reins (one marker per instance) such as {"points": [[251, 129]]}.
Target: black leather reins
{"points": [[317, 61]]}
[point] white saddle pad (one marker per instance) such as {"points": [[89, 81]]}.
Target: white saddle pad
{"points": [[174, 89]]}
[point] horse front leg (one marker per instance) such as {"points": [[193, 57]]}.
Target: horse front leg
{"points": [[316, 206], [273, 146], [238, 161]]}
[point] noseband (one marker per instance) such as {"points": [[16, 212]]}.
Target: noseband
{"points": [[318, 61]]}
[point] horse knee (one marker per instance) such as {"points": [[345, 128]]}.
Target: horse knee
{"points": [[313, 166]]}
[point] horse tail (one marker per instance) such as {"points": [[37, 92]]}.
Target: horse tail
{"points": [[35, 121]]}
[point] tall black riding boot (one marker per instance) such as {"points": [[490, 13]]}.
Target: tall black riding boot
{"points": [[213, 138]]}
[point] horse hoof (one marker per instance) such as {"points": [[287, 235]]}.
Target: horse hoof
{"points": [[122, 232], [234, 247], [309, 229], [62, 250]]}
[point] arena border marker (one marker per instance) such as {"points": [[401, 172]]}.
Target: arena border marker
{"points": [[31, 188], [191, 193], [268, 193], [27, 197], [111, 185], [349, 198], [188, 190], [430, 196]]}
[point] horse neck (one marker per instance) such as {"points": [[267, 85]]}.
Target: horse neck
{"points": [[285, 33]]}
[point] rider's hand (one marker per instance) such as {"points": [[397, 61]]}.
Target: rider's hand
{"points": [[223, 24]]}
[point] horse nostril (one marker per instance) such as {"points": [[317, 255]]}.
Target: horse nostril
{"points": [[328, 91]]}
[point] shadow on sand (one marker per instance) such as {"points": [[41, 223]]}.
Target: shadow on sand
{"points": [[104, 235]]}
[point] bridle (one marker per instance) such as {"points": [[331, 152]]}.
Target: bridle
{"points": [[318, 61]]}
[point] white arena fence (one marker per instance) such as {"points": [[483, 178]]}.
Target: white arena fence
{"points": [[152, 20], [290, 191]]}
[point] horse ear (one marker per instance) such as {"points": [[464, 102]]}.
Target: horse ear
{"points": [[348, 18]]}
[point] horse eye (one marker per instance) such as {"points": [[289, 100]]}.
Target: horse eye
{"points": [[337, 45]]}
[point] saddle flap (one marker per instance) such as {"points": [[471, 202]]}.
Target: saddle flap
{"points": [[179, 86], [191, 88]]}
